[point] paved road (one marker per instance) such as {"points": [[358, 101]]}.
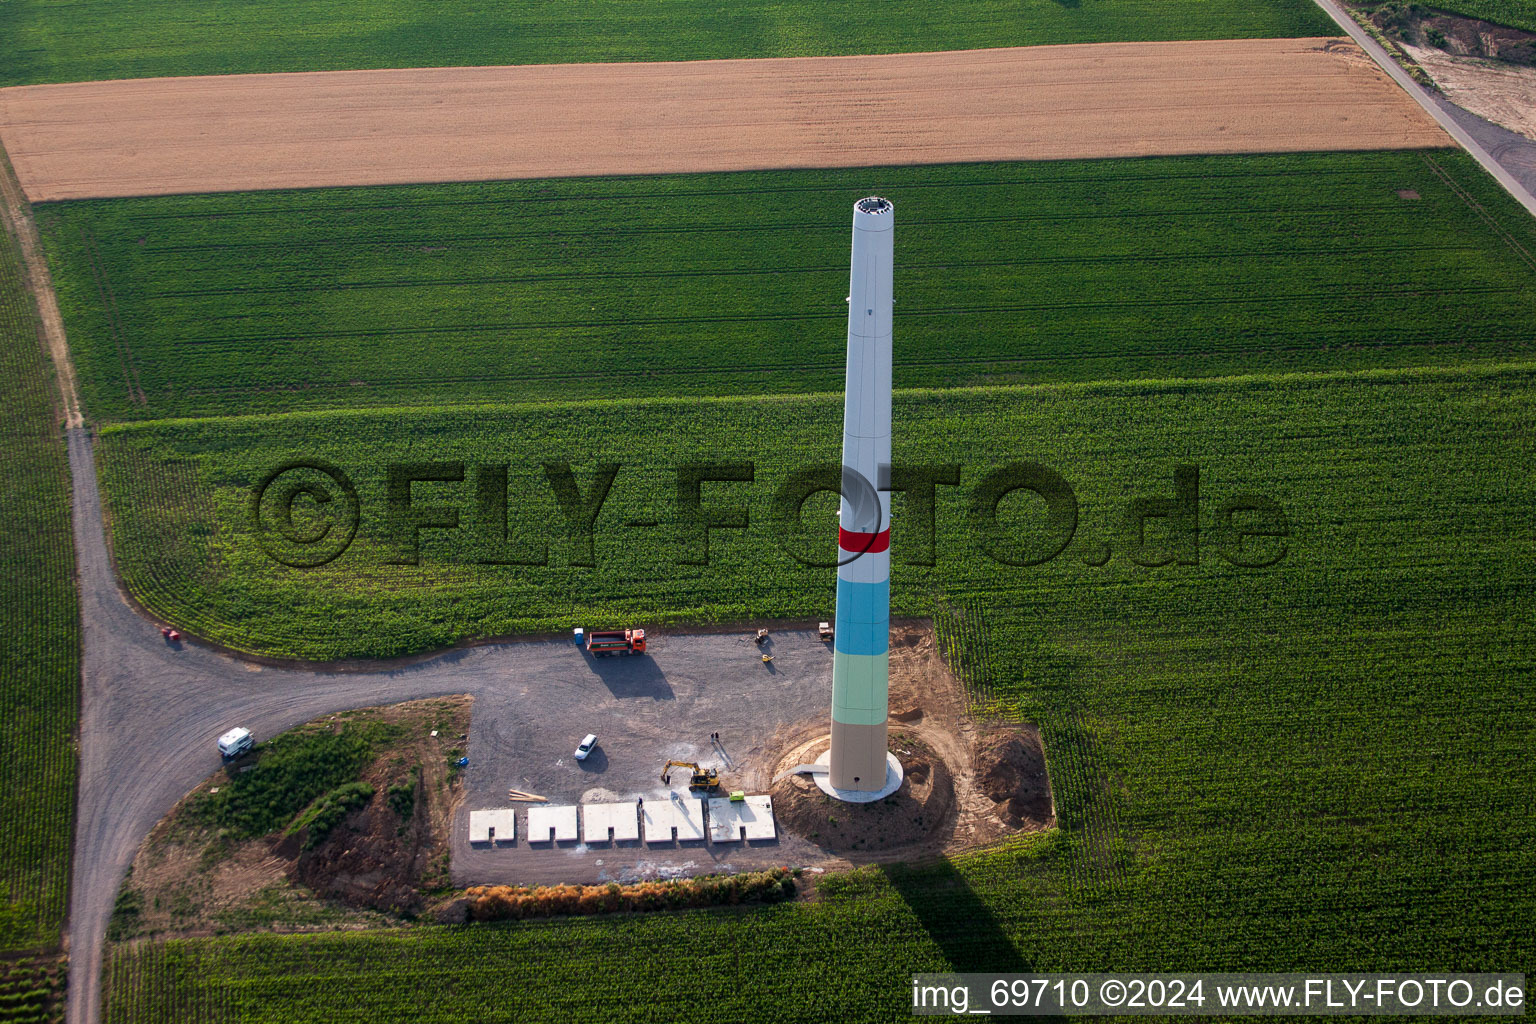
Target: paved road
{"points": [[151, 713], [1513, 151]]}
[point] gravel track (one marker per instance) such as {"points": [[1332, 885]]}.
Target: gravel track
{"points": [[234, 132], [149, 715]]}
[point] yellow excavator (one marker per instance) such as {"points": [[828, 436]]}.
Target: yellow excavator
{"points": [[702, 778]]}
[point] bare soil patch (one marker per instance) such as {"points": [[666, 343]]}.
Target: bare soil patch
{"points": [[967, 783], [374, 869], [224, 133], [1449, 33], [915, 816], [1499, 91], [1010, 771]]}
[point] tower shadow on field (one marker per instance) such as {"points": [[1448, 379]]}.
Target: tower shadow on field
{"points": [[958, 921]]}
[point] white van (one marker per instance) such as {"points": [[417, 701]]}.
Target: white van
{"points": [[236, 742]]}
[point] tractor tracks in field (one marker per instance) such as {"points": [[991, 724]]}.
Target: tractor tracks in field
{"points": [[1498, 229], [114, 318]]}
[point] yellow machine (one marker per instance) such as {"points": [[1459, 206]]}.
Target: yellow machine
{"points": [[702, 778]]}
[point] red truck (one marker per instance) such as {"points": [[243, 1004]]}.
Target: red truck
{"points": [[616, 641]]}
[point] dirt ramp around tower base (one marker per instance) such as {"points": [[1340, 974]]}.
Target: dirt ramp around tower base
{"points": [[967, 782]]}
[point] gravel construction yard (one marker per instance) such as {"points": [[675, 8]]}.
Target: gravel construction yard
{"points": [[236, 132], [645, 709]]}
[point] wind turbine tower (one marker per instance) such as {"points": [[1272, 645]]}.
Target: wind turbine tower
{"points": [[860, 767]]}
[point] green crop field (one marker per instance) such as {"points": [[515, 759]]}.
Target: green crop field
{"points": [[53, 42], [32, 990], [181, 496], [718, 284], [39, 619], [1322, 762], [1515, 13]]}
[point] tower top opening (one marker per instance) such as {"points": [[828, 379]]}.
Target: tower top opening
{"points": [[873, 204]]}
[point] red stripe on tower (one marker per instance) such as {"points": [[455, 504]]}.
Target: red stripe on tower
{"points": [[863, 543]]}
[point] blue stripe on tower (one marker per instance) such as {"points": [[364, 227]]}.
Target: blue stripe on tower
{"points": [[863, 617]]}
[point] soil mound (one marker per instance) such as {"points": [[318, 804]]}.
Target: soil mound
{"points": [[374, 859], [1010, 771], [373, 864]]}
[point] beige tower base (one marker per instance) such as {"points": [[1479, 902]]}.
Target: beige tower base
{"points": [[858, 756], [893, 776]]}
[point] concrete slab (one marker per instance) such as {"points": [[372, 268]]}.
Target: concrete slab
{"points": [[683, 815], [757, 818], [498, 824], [552, 824], [535, 700], [731, 822], [601, 823], [724, 827]]}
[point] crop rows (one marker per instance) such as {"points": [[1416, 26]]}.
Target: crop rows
{"points": [[1110, 442], [1009, 676], [410, 975], [724, 284], [39, 619], [32, 991], [158, 37], [1321, 763], [1515, 13]]}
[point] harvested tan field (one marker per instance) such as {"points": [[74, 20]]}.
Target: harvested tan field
{"points": [[227, 133]]}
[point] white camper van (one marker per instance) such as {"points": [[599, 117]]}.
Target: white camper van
{"points": [[236, 742]]}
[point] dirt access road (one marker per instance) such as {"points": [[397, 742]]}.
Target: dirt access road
{"points": [[228, 133]]}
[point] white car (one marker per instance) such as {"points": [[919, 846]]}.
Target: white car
{"points": [[586, 746]]}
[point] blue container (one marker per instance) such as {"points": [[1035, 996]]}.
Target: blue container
{"points": [[578, 636]]}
